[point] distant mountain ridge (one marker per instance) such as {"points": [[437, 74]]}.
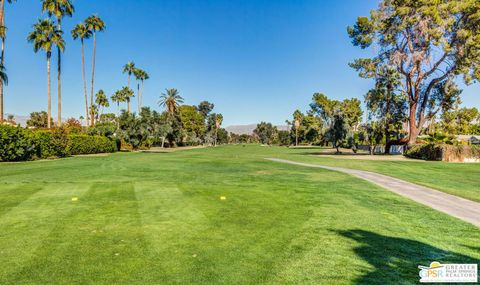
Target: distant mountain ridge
{"points": [[248, 129]]}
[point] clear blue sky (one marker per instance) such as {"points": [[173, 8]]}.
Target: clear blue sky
{"points": [[254, 59]]}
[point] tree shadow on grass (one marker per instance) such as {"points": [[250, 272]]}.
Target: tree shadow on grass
{"points": [[396, 259]]}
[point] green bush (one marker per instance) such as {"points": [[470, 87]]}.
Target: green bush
{"points": [[84, 144], [16, 144], [445, 152], [52, 143]]}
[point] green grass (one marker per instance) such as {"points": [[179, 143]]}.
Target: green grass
{"points": [[157, 218], [461, 179]]}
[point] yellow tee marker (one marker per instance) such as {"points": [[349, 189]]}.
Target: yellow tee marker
{"points": [[223, 198], [74, 199]]}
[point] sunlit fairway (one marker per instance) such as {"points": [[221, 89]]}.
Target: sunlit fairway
{"points": [[217, 216]]}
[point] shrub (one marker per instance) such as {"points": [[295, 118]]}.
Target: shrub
{"points": [[16, 144], [84, 144], [52, 143], [443, 152]]}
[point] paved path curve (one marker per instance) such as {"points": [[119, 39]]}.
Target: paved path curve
{"points": [[463, 209]]}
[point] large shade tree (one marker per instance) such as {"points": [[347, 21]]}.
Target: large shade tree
{"points": [[58, 9], [95, 25], [45, 36], [428, 42], [82, 32], [3, 36]]}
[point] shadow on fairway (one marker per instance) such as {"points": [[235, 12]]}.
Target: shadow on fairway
{"points": [[396, 259]]}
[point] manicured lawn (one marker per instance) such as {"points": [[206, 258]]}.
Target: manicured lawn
{"points": [[157, 218], [461, 179]]}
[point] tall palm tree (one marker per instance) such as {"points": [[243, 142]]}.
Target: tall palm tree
{"points": [[170, 100], [141, 76], [218, 123], [94, 24], [127, 93], [144, 77], [81, 32], [58, 9], [101, 101], [3, 36], [129, 69], [45, 36]]}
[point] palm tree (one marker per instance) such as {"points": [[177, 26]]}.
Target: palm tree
{"points": [[101, 100], [141, 76], [127, 93], [44, 36], [3, 36], [81, 32], [59, 9], [218, 123], [94, 24], [129, 69], [170, 100]]}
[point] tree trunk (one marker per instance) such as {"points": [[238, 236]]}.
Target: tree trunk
{"points": [[413, 130], [139, 98], [59, 81], [163, 142], [93, 75], [49, 108], [84, 83], [296, 137], [216, 135], [128, 104], [2, 23]]}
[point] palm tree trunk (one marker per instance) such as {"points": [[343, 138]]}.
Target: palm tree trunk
{"points": [[59, 81], [49, 108], [296, 137], [2, 23], [139, 98], [141, 93], [128, 104], [93, 75], [84, 83]]}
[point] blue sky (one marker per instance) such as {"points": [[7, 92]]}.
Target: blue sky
{"points": [[254, 59]]}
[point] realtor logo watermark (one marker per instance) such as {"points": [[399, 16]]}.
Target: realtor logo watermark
{"points": [[448, 273]]}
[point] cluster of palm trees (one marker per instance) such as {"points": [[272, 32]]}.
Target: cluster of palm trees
{"points": [[47, 36], [140, 75]]}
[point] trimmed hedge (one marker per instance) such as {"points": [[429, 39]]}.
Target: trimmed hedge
{"points": [[425, 152], [443, 152], [52, 143], [20, 144], [16, 144], [84, 144]]}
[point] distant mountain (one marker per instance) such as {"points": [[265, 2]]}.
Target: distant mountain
{"points": [[248, 129]]}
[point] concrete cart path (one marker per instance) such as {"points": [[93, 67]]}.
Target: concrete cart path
{"points": [[460, 208]]}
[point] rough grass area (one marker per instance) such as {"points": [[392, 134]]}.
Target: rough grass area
{"points": [[158, 218], [461, 179]]}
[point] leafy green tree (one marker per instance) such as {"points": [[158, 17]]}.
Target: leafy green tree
{"points": [[218, 123], [39, 120], [45, 36], [95, 25], [428, 43], [460, 121], [266, 132], [83, 33], [205, 108], [58, 9], [337, 134], [352, 112], [192, 122], [387, 103]]}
